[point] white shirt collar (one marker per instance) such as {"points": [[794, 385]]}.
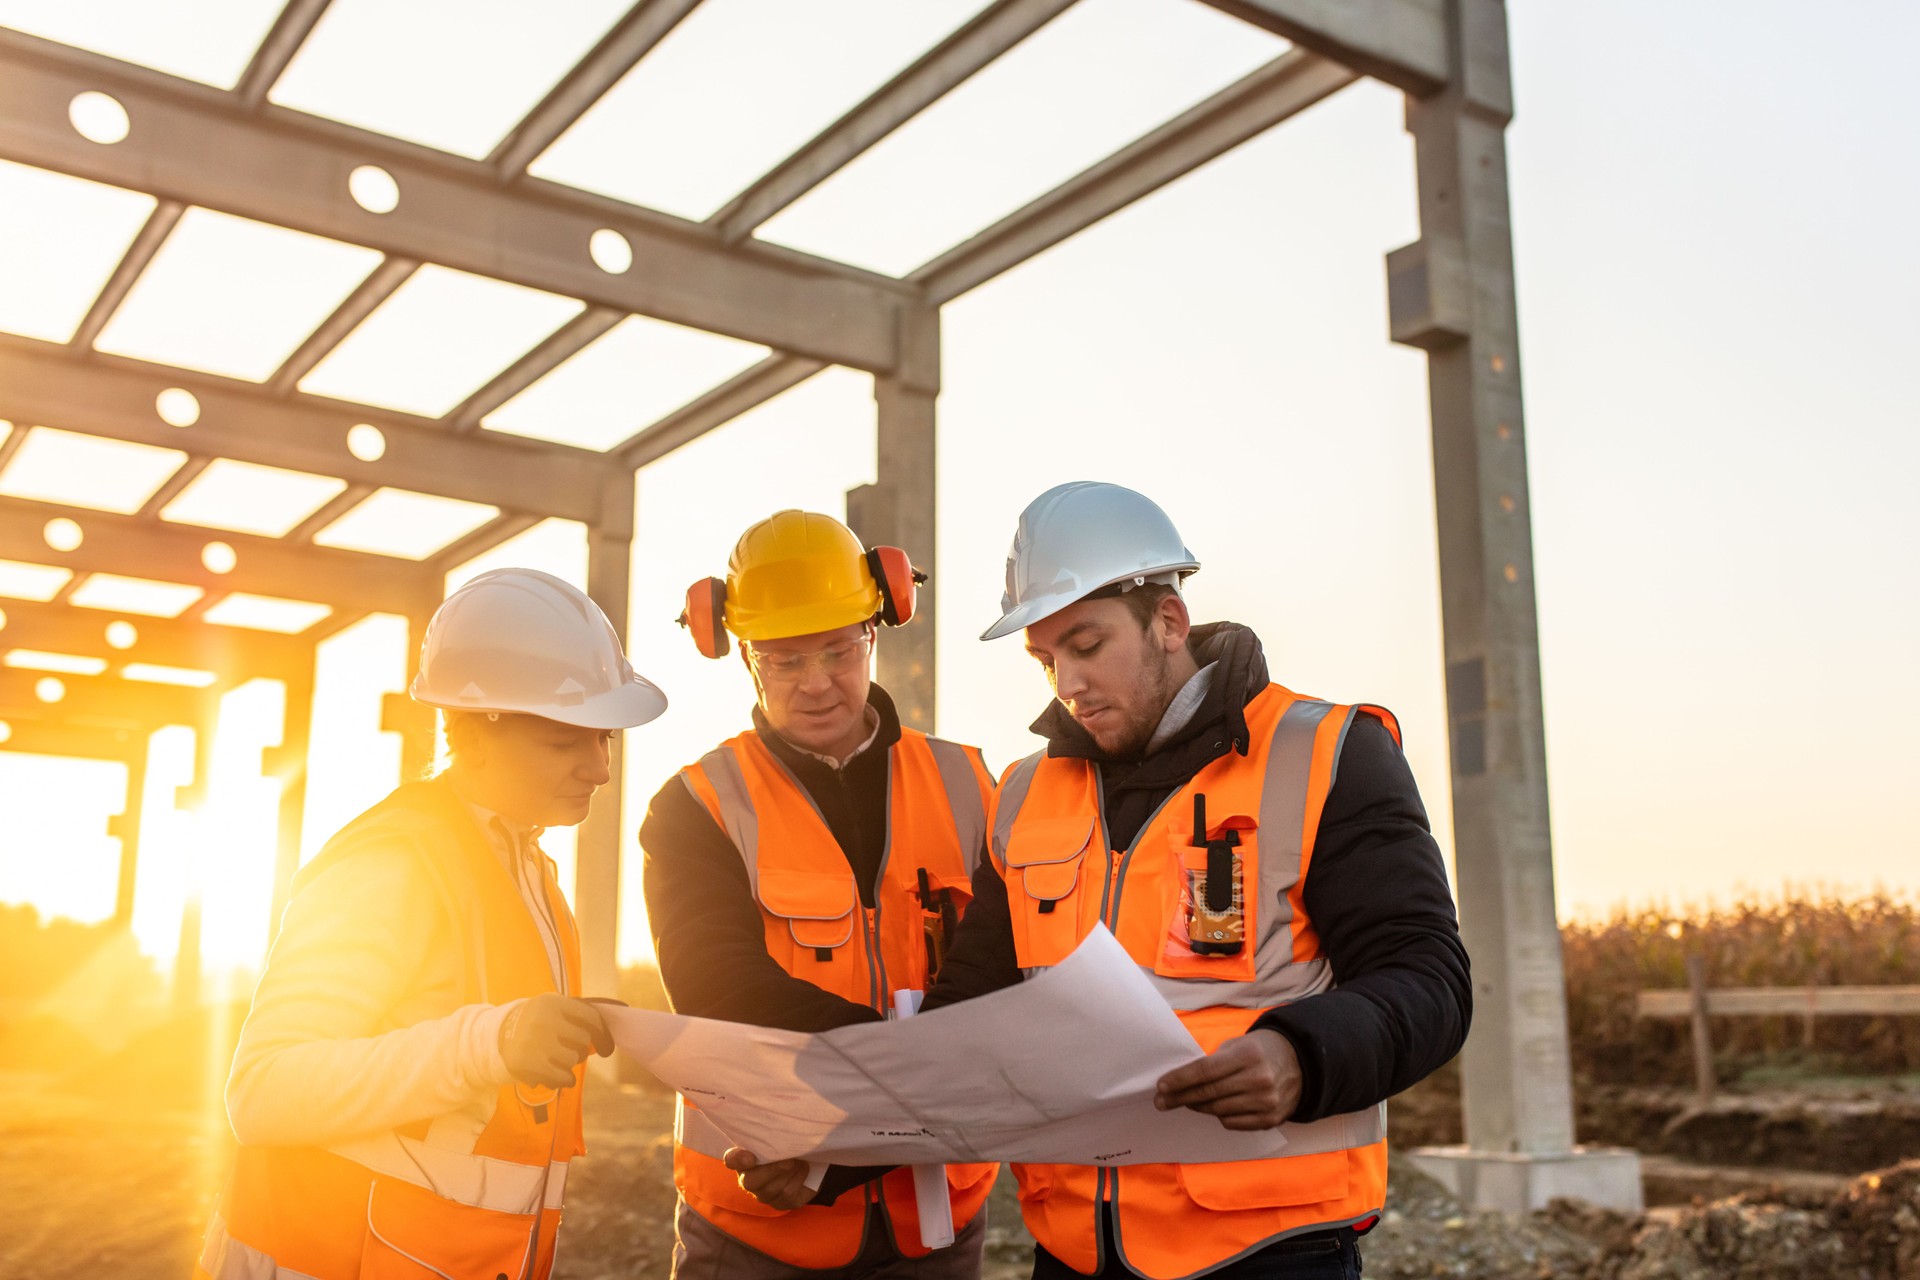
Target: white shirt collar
{"points": [[872, 720]]}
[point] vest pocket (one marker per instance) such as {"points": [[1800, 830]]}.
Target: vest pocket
{"points": [[413, 1234], [1266, 1184], [1198, 933], [818, 907], [1044, 859]]}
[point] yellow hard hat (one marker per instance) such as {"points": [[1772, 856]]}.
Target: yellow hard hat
{"points": [[796, 573]]}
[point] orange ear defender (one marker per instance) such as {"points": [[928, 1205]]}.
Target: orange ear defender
{"points": [[898, 580], [703, 617]]}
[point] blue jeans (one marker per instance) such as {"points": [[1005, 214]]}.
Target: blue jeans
{"points": [[1321, 1255]]}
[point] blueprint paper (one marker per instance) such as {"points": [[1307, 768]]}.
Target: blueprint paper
{"points": [[1059, 1069]]}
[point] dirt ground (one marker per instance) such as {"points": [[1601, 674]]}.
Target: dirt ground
{"points": [[114, 1174]]}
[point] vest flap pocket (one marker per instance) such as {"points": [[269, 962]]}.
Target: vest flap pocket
{"points": [[1050, 881], [1048, 852], [1265, 1184], [413, 1234], [1040, 841], [807, 895]]}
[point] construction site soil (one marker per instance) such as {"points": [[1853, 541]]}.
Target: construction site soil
{"points": [[112, 1171]]}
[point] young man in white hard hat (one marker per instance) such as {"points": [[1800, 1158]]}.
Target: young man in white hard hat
{"points": [[800, 876], [1263, 856], [406, 1090]]}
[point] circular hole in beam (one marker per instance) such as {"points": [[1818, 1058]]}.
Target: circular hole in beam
{"points": [[49, 689], [177, 407], [122, 634], [63, 534], [219, 557], [610, 251], [98, 117], [3, 619], [366, 442], [373, 189], [6, 731]]}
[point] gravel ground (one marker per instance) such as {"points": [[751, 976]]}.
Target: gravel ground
{"points": [[115, 1179]]}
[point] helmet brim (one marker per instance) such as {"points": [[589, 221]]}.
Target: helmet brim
{"points": [[626, 707], [1028, 612]]}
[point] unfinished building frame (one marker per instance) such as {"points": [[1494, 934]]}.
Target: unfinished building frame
{"points": [[192, 146]]}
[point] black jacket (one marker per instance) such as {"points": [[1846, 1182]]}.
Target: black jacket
{"points": [[1376, 891], [707, 930]]}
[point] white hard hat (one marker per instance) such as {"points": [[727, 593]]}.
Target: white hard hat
{"points": [[1077, 538], [523, 641]]}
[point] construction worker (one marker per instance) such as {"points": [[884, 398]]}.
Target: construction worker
{"points": [[406, 1090], [802, 874], [1264, 858]]}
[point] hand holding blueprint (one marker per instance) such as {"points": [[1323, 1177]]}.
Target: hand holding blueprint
{"points": [[1059, 1069]]}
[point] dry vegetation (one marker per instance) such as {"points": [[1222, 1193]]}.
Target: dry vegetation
{"points": [[1792, 942]]}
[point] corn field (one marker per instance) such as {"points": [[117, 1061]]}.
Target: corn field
{"points": [[1789, 942]]}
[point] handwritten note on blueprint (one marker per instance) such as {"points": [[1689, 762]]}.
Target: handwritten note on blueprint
{"points": [[1059, 1069]]}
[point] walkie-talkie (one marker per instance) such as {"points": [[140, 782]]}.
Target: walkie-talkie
{"points": [[938, 921], [1217, 918]]}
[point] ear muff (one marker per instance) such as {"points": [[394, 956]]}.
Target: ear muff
{"points": [[897, 579], [704, 614]]}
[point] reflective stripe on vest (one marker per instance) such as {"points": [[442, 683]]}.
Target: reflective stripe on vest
{"points": [[458, 1195], [817, 930], [1052, 847]]}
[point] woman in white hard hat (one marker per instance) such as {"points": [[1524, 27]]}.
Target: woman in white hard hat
{"points": [[406, 1087]]}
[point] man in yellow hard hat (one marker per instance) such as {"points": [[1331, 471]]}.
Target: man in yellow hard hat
{"points": [[806, 875]]}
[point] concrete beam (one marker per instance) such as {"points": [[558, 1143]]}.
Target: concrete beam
{"points": [[276, 52], [1403, 42], [201, 646], [379, 284], [1284, 87], [989, 34], [159, 225], [53, 737], [350, 580], [198, 146], [43, 383], [722, 405], [555, 350], [631, 39], [105, 702]]}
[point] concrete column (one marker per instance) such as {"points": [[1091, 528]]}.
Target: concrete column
{"points": [[400, 714], [898, 509], [596, 873], [288, 763], [193, 796], [125, 826], [1452, 294]]}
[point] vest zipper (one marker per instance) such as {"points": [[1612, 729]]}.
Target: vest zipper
{"points": [[876, 966], [1107, 1183]]}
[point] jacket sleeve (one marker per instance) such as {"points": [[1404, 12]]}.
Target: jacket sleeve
{"points": [[1376, 891], [313, 1065], [707, 931]]}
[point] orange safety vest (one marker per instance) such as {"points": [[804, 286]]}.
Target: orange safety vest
{"points": [[817, 929], [1063, 877], [469, 1205]]}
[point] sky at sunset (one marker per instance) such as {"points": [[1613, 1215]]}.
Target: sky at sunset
{"points": [[1713, 208]]}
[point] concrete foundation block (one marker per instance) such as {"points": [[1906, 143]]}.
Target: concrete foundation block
{"points": [[1511, 1183]]}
